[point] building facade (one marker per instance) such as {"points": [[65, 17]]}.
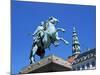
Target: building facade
{"points": [[85, 60]]}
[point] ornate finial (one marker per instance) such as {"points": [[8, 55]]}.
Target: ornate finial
{"points": [[74, 28]]}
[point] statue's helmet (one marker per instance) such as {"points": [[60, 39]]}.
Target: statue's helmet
{"points": [[53, 20]]}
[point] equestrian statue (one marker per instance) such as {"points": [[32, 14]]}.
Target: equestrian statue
{"points": [[45, 35]]}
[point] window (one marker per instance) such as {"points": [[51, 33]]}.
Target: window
{"points": [[81, 59], [88, 65], [78, 68], [83, 67], [84, 57], [77, 60], [93, 63], [74, 69], [88, 56], [91, 55]]}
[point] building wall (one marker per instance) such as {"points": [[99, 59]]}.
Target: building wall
{"points": [[85, 65], [87, 62]]}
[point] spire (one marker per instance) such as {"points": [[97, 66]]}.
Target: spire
{"points": [[75, 43]]}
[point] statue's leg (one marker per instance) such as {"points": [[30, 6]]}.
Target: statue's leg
{"points": [[56, 43], [60, 38], [66, 42], [61, 29], [32, 59], [33, 52]]}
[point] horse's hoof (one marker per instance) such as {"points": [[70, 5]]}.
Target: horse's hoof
{"points": [[63, 30], [66, 42], [32, 62]]}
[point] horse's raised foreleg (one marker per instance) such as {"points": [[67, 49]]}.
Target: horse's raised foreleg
{"points": [[60, 38], [61, 29], [33, 52]]}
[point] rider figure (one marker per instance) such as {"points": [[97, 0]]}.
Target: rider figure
{"points": [[39, 32], [40, 29]]}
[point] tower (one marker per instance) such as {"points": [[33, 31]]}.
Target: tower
{"points": [[75, 43]]}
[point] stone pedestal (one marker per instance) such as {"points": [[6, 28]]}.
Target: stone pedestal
{"points": [[48, 64]]}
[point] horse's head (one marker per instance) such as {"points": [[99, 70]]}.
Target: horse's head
{"points": [[53, 20]]}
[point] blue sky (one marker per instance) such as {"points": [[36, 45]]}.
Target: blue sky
{"points": [[26, 16]]}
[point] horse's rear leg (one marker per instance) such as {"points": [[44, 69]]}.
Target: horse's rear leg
{"points": [[60, 38], [32, 56], [66, 42], [32, 60]]}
